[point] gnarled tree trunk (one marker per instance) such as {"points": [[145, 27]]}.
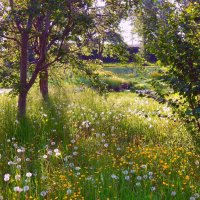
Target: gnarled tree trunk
{"points": [[23, 75], [44, 83]]}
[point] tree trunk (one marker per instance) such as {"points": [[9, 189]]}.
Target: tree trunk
{"points": [[44, 84], [22, 104], [23, 75]]}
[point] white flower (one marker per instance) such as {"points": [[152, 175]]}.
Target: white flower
{"points": [[118, 148], [65, 158], [138, 184], [44, 156], [132, 171], [125, 172], [71, 164], [139, 178], [6, 177], [77, 168], [19, 150], [49, 152], [153, 188], [143, 166], [28, 174], [53, 143], [197, 162], [145, 176], [8, 8], [75, 153], [56, 150], [17, 189], [58, 154], [43, 193], [106, 145], [26, 188], [173, 193], [150, 177], [127, 178], [196, 195], [1, 197], [11, 163], [17, 177], [73, 141], [150, 173], [114, 176], [28, 159], [192, 198], [69, 191], [19, 166]]}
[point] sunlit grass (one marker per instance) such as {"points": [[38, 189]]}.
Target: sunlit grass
{"points": [[81, 145]]}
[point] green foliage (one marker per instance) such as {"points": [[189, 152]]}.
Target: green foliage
{"points": [[173, 36]]}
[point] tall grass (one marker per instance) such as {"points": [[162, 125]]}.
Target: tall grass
{"points": [[80, 145]]}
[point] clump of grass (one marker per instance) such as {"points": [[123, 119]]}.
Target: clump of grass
{"points": [[80, 145]]}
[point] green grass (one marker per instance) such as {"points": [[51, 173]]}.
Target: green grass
{"points": [[81, 145], [137, 77]]}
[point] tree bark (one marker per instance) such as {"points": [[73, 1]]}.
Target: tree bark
{"points": [[22, 104], [44, 84], [23, 75]]}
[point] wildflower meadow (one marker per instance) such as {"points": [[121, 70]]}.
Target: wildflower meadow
{"points": [[80, 145]]}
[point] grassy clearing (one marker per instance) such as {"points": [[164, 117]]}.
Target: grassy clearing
{"points": [[80, 145]]}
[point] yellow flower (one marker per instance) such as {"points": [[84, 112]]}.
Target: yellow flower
{"points": [[187, 177]]}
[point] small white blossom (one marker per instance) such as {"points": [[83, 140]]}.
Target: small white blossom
{"points": [[127, 178], [132, 171], [196, 195], [125, 172], [43, 193], [77, 168], [73, 141], [138, 184], [19, 166], [145, 177], [106, 145], [6, 177], [56, 150], [114, 176], [50, 152], [44, 156], [173, 193], [143, 166], [17, 177], [69, 191], [28, 174], [75, 153], [17, 189], [150, 173], [25, 188]]}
